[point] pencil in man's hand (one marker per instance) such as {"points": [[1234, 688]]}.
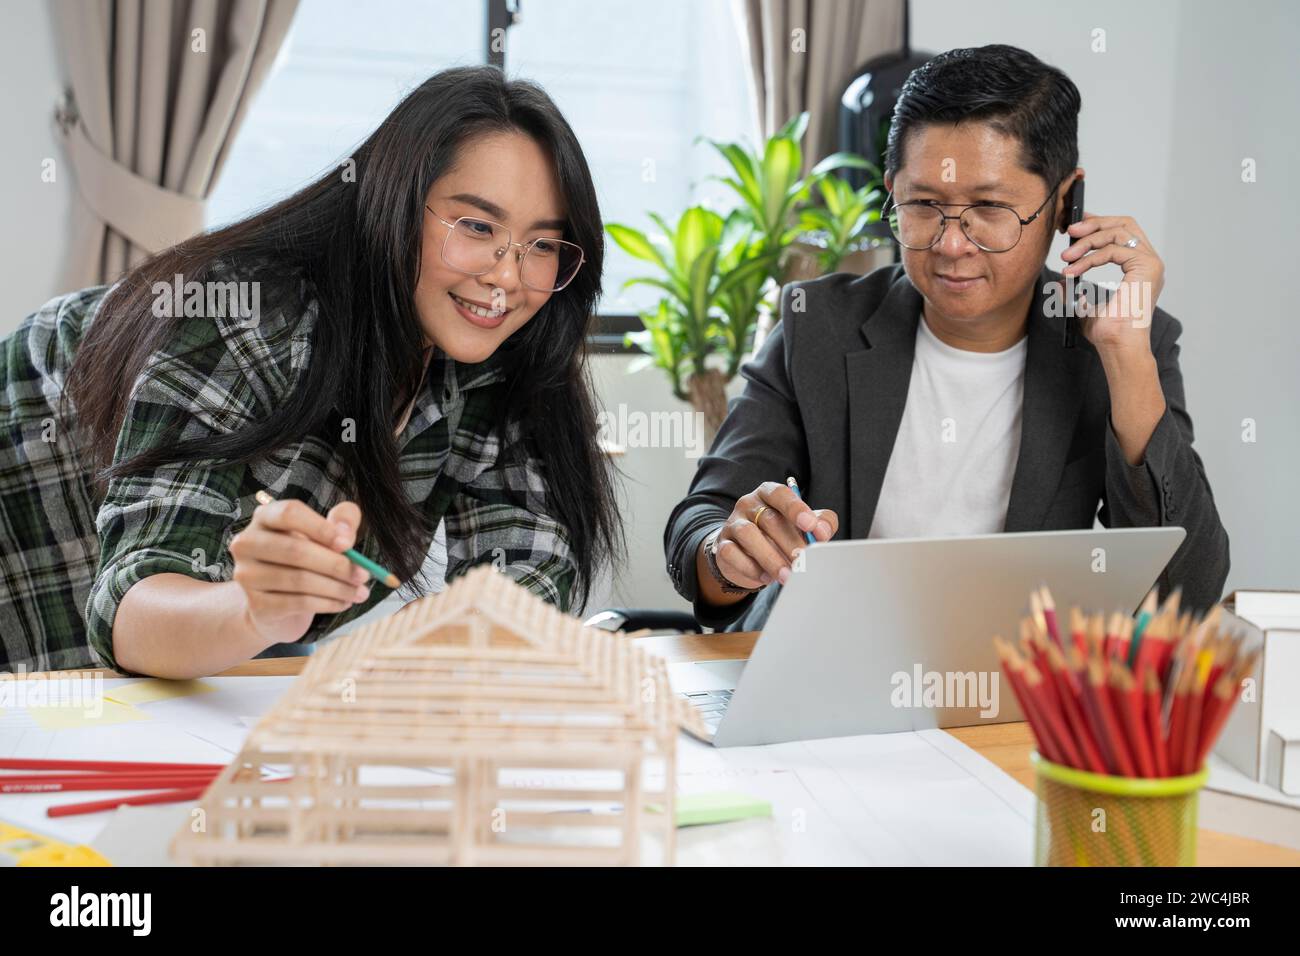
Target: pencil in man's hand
{"points": [[794, 486]]}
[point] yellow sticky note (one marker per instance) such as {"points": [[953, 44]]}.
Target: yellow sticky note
{"points": [[100, 714], [148, 691]]}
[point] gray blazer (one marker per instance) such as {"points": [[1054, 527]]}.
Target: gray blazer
{"points": [[824, 397]]}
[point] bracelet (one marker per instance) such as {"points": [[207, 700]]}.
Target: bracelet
{"points": [[711, 560]]}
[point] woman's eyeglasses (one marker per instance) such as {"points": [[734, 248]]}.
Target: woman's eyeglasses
{"points": [[475, 246], [919, 224]]}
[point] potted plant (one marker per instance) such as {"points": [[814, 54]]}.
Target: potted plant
{"points": [[720, 276]]}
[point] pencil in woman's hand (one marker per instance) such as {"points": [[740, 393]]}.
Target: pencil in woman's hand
{"points": [[377, 571]]}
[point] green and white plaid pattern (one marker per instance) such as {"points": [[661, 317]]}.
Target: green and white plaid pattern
{"points": [[67, 559]]}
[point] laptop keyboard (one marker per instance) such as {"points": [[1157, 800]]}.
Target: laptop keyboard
{"points": [[711, 704]]}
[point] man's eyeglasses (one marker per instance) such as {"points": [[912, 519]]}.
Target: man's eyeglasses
{"points": [[475, 246], [993, 227]]}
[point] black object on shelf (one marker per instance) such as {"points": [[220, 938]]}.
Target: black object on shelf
{"points": [[867, 106]]}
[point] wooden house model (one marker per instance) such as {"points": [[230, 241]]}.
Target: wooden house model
{"points": [[476, 726]]}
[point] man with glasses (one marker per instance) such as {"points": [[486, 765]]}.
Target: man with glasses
{"points": [[970, 390]]}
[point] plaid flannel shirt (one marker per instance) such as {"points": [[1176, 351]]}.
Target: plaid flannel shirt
{"points": [[68, 558]]}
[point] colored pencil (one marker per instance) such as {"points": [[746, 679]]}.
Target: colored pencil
{"points": [[1110, 720], [1135, 697], [1049, 615], [1128, 703], [107, 782], [376, 570], [104, 778], [794, 486], [1154, 726], [1077, 636], [107, 766], [178, 795]]}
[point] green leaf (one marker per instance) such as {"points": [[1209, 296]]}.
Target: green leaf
{"points": [[746, 173], [698, 229], [702, 270], [746, 271], [842, 160], [795, 127], [635, 243], [781, 161]]}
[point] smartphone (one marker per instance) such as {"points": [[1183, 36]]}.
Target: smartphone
{"points": [[1073, 214]]}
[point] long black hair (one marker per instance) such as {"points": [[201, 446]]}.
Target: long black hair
{"points": [[357, 240]]}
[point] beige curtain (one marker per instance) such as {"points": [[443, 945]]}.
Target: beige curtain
{"points": [[156, 90], [803, 53]]}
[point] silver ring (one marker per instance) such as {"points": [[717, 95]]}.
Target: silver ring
{"points": [[1132, 243]]}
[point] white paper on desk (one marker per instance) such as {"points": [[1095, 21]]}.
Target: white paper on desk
{"points": [[921, 798]]}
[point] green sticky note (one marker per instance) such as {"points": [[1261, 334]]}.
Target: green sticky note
{"points": [[695, 809]]}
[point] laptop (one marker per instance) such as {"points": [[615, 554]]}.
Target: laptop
{"points": [[885, 635]]}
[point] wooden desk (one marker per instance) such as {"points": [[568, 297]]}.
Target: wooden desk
{"points": [[1006, 745]]}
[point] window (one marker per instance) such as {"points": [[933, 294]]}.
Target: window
{"points": [[341, 70], [637, 81]]}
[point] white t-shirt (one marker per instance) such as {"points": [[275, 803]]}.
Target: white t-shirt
{"points": [[955, 455]]}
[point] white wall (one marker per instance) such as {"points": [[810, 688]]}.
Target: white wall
{"points": [[1230, 249], [33, 214]]}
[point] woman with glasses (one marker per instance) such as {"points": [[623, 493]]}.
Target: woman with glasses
{"points": [[399, 344], [970, 390]]}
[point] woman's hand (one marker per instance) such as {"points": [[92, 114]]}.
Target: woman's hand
{"points": [[764, 533], [290, 564]]}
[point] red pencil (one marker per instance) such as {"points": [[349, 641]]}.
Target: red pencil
{"points": [[8, 779], [1056, 692], [144, 799], [1069, 691], [1116, 639], [1155, 726], [1128, 703], [1092, 716], [106, 782], [1109, 721], [1177, 733], [1076, 630], [1192, 730], [1049, 615], [1053, 717], [1014, 669], [1015, 666], [109, 766], [1226, 692]]}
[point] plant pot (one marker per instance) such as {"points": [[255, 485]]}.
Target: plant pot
{"points": [[802, 261], [708, 394]]}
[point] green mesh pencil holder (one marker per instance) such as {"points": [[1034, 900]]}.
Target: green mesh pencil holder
{"points": [[1092, 819]]}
